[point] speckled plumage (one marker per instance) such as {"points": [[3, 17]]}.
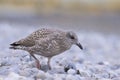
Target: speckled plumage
{"points": [[47, 42]]}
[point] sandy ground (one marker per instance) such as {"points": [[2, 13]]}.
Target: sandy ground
{"points": [[100, 59]]}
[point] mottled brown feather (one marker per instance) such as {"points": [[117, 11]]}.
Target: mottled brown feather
{"points": [[30, 40]]}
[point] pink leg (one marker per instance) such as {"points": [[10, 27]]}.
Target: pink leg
{"points": [[49, 63], [38, 64], [37, 61]]}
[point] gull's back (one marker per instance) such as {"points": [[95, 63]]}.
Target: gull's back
{"points": [[30, 40]]}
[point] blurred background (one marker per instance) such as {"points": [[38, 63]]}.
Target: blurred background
{"points": [[85, 15], [96, 22]]}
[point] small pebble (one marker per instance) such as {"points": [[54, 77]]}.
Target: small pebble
{"points": [[71, 71]]}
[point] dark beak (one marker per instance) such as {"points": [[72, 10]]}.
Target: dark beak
{"points": [[79, 45]]}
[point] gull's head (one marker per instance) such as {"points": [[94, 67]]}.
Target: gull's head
{"points": [[73, 39]]}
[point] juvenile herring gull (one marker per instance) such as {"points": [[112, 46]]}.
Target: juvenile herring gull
{"points": [[47, 42]]}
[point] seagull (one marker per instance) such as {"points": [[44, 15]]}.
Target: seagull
{"points": [[47, 42]]}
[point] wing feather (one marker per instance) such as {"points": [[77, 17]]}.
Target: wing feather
{"points": [[31, 39]]}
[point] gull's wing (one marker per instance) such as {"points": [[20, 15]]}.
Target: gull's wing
{"points": [[32, 38]]}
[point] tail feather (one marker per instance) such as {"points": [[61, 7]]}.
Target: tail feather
{"points": [[15, 44], [12, 48]]}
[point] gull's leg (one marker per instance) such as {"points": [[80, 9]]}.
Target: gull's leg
{"points": [[30, 58], [49, 63], [37, 61]]}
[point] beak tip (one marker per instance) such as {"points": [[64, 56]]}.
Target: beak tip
{"points": [[80, 46]]}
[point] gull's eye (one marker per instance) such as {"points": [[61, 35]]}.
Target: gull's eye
{"points": [[72, 37]]}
